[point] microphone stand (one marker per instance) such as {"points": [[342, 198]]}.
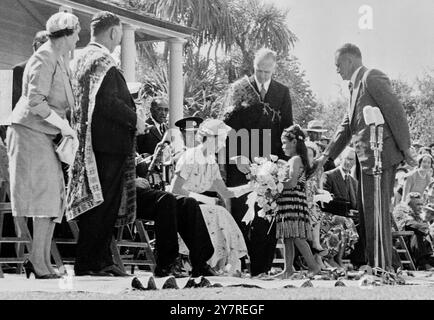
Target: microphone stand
{"points": [[377, 146]]}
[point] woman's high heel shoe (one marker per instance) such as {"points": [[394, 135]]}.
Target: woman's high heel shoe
{"points": [[29, 269]]}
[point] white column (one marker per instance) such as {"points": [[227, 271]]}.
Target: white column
{"points": [[176, 80], [128, 53]]}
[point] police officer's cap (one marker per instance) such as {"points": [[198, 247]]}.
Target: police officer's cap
{"points": [[189, 123]]}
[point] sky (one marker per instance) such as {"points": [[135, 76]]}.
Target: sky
{"points": [[400, 43]]}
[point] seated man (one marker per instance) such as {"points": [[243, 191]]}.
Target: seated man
{"points": [[342, 185], [408, 217], [343, 188], [147, 142], [174, 214]]}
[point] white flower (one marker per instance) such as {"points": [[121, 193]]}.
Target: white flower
{"points": [[273, 157]]}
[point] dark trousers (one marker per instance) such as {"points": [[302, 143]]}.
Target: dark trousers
{"points": [[175, 214], [367, 227], [261, 246], [421, 250], [97, 225]]}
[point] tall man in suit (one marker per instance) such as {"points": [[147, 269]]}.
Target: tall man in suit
{"points": [[371, 87], [147, 142], [101, 191], [274, 112]]}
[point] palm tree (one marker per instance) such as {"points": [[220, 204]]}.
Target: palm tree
{"points": [[238, 27], [259, 25]]}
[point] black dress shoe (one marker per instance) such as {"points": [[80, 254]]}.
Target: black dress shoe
{"points": [[205, 271], [170, 284], [92, 273], [171, 270], [115, 271]]}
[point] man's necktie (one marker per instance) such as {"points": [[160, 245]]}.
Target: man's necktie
{"points": [[351, 192], [351, 87], [263, 92], [162, 129]]}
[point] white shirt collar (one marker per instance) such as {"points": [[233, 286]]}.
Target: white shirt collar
{"points": [[101, 46], [266, 84], [355, 74], [155, 122]]}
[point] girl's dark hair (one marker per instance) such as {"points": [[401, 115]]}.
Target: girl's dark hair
{"points": [[295, 132], [61, 33]]}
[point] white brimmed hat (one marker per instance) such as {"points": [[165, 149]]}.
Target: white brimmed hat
{"points": [[316, 126], [213, 127]]}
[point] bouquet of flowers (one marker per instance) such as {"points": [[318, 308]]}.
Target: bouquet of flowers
{"points": [[266, 177], [241, 95]]}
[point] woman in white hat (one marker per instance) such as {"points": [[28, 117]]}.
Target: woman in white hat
{"points": [[197, 172], [37, 184]]}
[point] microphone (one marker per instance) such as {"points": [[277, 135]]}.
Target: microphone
{"points": [[369, 117], [378, 116], [379, 122]]}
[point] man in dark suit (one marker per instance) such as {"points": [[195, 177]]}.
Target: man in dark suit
{"points": [[371, 87], [147, 142], [343, 187], [273, 113], [341, 184], [113, 126], [17, 75]]}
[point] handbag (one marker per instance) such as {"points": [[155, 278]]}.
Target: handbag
{"points": [[67, 149]]}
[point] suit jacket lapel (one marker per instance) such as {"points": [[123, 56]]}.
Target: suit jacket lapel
{"points": [[253, 82], [270, 91], [340, 182], [356, 90], [154, 130]]}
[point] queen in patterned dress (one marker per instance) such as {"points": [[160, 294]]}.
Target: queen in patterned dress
{"points": [[292, 216], [197, 172]]}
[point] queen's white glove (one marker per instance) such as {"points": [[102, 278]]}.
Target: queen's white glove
{"points": [[62, 124]]}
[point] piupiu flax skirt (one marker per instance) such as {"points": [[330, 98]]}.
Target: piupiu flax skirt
{"points": [[292, 217], [36, 178]]}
